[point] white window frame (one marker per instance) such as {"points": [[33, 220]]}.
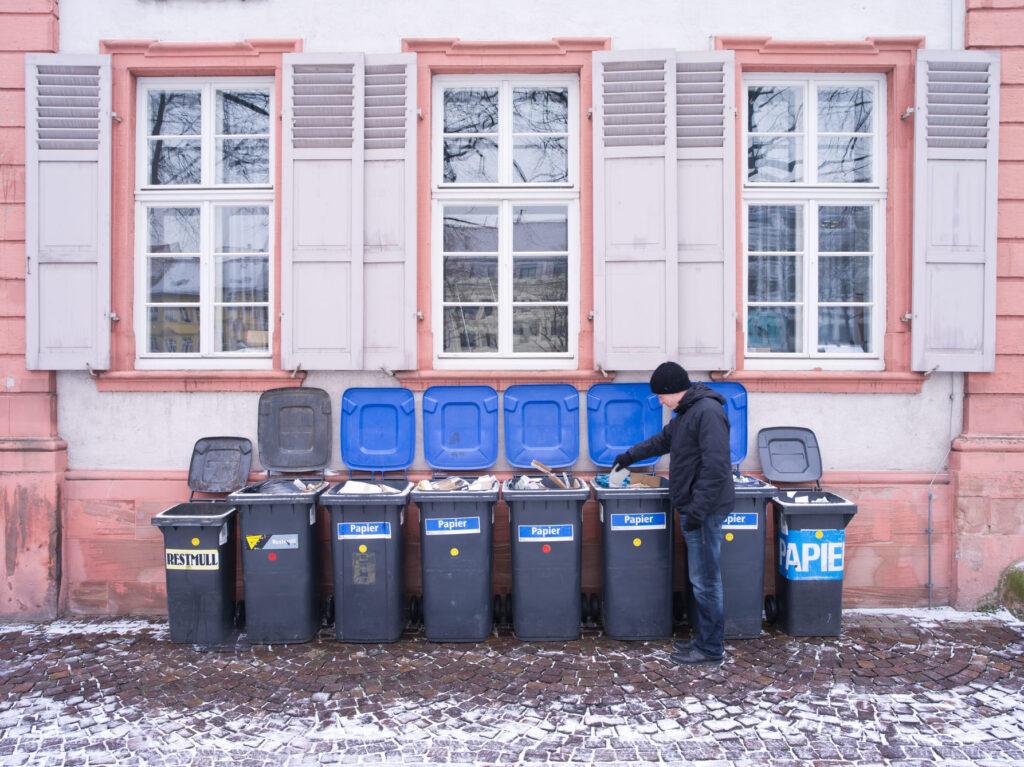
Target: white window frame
{"points": [[811, 196], [206, 196], [506, 196]]}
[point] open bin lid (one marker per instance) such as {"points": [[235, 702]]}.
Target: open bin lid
{"points": [[378, 429], [542, 422], [294, 430], [618, 417], [736, 411], [789, 454], [219, 464], [460, 427]]}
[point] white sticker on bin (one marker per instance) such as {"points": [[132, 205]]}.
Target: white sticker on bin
{"points": [[639, 521], [451, 525], [740, 521], [545, 533], [363, 530]]}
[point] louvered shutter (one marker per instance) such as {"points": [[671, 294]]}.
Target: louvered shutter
{"points": [[67, 212], [635, 251], [956, 155], [706, 152], [389, 213], [322, 212]]}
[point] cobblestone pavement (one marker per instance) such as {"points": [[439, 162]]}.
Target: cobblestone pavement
{"points": [[906, 688]]}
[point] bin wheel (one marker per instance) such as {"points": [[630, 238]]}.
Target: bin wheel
{"points": [[240, 615], [595, 608], [327, 613], [678, 607], [584, 610], [508, 610], [771, 609], [498, 608], [414, 611]]}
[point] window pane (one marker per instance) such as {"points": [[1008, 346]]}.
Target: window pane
{"points": [[173, 230], [242, 328], [778, 159], [471, 111], [175, 113], [538, 229], [470, 229], [845, 110], [543, 329], [844, 278], [844, 160], [774, 109], [471, 279], [243, 161], [540, 279], [773, 278], [844, 229], [540, 160], [774, 329], [775, 228], [243, 279], [470, 329], [844, 329], [540, 110], [243, 229], [174, 330], [470, 161], [240, 112], [173, 280], [174, 161]]}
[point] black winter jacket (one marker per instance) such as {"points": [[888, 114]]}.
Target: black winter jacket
{"points": [[697, 441]]}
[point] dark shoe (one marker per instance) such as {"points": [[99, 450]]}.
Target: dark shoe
{"points": [[693, 655], [682, 645]]}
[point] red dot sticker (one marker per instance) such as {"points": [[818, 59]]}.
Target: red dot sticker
{"points": [[546, 548], [272, 556]]}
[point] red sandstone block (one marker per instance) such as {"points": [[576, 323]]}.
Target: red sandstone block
{"points": [[1011, 141], [12, 183], [29, 32], [1010, 297], [1010, 335], [974, 4], [12, 368], [12, 109], [12, 335], [1008, 517], [981, 560], [88, 598], [31, 415], [94, 519], [12, 222], [994, 414], [12, 260], [12, 298], [139, 597], [1011, 181], [12, 70], [1010, 258], [1011, 71], [1010, 224], [994, 27], [28, 535], [972, 514], [12, 145], [110, 559]]}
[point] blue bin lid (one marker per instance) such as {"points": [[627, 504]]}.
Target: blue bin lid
{"points": [[460, 427], [378, 429], [619, 416], [736, 411], [542, 422]]}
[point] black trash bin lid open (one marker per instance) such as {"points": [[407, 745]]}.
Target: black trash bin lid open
{"points": [[789, 454], [294, 429], [219, 464]]}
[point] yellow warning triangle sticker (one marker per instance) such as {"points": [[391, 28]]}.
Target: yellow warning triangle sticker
{"points": [[253, 541]]}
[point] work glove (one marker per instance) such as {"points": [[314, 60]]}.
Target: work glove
{"points": [[690, 523], [623, 460]]}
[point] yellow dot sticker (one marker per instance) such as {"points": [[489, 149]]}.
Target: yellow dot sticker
{"points": [[455, 552], [195, 541], [637, 541], [362, 548], [819, 535], [729, 536]]}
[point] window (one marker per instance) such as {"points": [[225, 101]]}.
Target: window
{"points": [[506, 224], [814, 203], [204, 202]]}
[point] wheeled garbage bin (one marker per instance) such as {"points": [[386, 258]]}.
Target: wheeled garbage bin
{"points": [[810, 525], [280, 561], [542, 423], [636, 521], [460, 434], [199, 544], [378, 434]]}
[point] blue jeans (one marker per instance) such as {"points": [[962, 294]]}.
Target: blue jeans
{"points": [[703, 555]]}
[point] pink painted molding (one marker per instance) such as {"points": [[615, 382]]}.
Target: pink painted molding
{"points": [[453, 46], [974, 443], [833, 382], [194, 49], [197, 380], [500, 379], [870, 46]]}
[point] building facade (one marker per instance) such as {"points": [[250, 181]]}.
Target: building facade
{"points": [[203, 201]]}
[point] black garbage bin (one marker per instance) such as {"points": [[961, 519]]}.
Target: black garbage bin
{"points": [[810, 525], [199, 544], [378, 434], [545, 521], [280, 561], [460, 434], [636, 521]]}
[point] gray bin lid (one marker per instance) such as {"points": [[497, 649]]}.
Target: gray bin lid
{"points": [[219, 464], [789, 454], [194, 515], [294, 429]]}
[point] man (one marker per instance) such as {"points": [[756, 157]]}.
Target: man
{"points": [[701, 488]]}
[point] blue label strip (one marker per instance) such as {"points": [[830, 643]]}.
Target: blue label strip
{"points": [[812, 555], [652, 521], [363, 530], [545, 533], [740, 521], [451, 526]]}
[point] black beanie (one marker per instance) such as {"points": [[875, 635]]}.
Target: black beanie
{"points": [[669, 378]]}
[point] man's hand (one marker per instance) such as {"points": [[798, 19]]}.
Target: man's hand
{"points": [[623, 460], [690, 523]]}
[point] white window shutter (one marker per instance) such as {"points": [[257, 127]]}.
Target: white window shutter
{"points": [[67, 212], [706, 151], [956, 156], [635, 251], [389, 212], [322, 212]]}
